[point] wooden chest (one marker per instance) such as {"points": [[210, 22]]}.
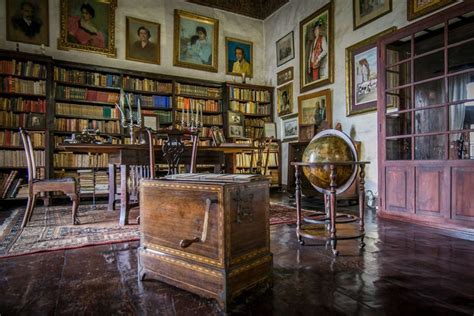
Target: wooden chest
{"points": [[211, 239]]}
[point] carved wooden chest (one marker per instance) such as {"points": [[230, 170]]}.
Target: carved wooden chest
{"points": [[211, 239]]}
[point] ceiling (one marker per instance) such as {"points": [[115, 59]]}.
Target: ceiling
{"points": [[259, 9]]}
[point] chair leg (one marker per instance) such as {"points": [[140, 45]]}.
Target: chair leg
{"points": [[29, 209], [75, 205]]}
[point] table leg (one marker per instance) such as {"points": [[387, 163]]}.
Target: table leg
{"points": [[298, 204], [112, 187], [124, 197], [362, 205], [332, 209]]}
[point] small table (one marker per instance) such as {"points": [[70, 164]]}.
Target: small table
{"points": [[330, 234]]}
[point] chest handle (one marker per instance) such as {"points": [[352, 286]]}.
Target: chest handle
{"points": [[185, 243]]}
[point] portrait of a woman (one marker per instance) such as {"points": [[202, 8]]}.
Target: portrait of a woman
{"points": [[82, 30]]}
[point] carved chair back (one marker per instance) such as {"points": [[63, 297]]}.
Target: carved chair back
{"points": [[30, 158], [263, 147]]}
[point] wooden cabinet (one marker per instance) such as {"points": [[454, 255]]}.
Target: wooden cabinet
{"points": [[208, 238]]}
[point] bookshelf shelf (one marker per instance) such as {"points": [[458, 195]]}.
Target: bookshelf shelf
{"points": [[88, 86], [192, 96], [25, 95], [19, 148], [87, 117], [22, 77], [148, 92], [15, 128], [153, 108], [246, 101], [85, 102]]}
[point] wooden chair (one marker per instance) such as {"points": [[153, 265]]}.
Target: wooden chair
{"points": [[35, 186], [173, 148], [263, 147]]}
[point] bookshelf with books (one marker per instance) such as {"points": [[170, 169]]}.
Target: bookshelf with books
{"points": [[24, 86]]}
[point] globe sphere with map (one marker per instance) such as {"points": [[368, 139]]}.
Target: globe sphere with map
{"points": [[330, 146]]}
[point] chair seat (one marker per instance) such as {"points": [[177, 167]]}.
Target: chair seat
{"points": [[66, 185]]}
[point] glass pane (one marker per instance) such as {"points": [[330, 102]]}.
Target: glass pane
{"points": [[461, 87], [461, 145], [461, 116], [429, 39], [398, 124], [398, 149], [461, 57], [430, 93], [398, 50], [399, 99], [461, 29], [430, 147], [429, 66], [398, 75], [430, 120]]}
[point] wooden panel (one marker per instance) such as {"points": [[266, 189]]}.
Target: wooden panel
{"points": [[398, 189], [430, 198], [462, 202]]}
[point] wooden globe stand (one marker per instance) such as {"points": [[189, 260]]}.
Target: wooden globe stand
{"points": [[322, 226]]}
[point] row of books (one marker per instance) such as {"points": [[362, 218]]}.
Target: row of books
{"points": [[205, 105], [11, 119], [23, 105], [87, 183], [17, 158], [253, 132], [77, 125], [62, 139], [206, 119], [86, 77], [258, 122], [148, 85], [207, 132], [98, 112], [21, 68], [249, 94], [12, 138], [17, 85], [250, 108], [85, 94], [70, 160], [164, 117], [198, 90], [244, 160], [155, 101]]}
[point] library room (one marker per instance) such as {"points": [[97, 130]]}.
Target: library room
{"points": [[251, 157]]}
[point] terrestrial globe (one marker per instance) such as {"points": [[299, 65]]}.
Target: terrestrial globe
{"points": [[330, 146]]}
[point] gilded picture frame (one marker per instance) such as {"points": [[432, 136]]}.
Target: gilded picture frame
{"points": [[416, 10], [37, 31], [365, 11], [285, 99], [241, 52], [317, 49], [195, 41], [315, 109], [139, 31], [361, 62], [88, 26]]}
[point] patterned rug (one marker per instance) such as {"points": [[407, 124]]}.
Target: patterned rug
{"points": [[50, 228]]}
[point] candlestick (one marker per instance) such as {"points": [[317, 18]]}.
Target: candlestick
{"points": [[187, 120], [122, 115], [139, 114], [182, 117]]}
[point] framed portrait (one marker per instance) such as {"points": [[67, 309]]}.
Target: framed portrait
{"points": [[36, 121], [235, 118], [419, 8], [142, 41], [361, 75], [315, 109], [239, 57], [285, 49], [366, 11], [88, 26], [28, 21], [196, 40], [284, 76], [217, 136], [269, 129], [317, 48], [236, 131], [285, 99], [150, 121], [289, 127]]}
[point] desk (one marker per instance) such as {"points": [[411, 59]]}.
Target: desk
{"points": [[124, 156]]}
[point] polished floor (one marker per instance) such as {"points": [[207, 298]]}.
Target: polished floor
{"points": [[404, 270]]}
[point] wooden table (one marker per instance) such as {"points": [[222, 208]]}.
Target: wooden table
{"points": [[126, 155]]}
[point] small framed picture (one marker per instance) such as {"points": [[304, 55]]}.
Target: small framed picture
{"points": [[366, 11], [289, 127], [417, 8], [143, 41], [28, 22], [217, 135], [269, 129], [284, 76], [285, 99], [235, 118], [150, 121], [236, 131], [36, 121], [239, 57], [315, 109], [285, 49]]}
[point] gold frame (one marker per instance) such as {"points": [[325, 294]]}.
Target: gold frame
{"points": [[233, 39], [158, 41], [288, 86], [63, 43], [326, 93], [354, 11], [178, 14], [329, 8], [368, 43], [8, 15], [412, 15]]}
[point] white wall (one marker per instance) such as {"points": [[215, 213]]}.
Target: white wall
{"points": [[160, 11], [286, 19]]}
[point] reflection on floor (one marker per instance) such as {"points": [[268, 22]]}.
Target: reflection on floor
{"points": [[404, 269]]}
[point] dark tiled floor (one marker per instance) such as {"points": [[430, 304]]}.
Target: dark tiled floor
{"points": [[404, 269]]}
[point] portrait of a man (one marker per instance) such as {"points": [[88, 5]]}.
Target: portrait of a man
{"points": [[27, 21], [285, 99], [143, 41], [239, 55]]}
